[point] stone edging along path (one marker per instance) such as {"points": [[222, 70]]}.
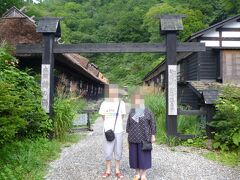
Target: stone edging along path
{"points": [[84, 161]]}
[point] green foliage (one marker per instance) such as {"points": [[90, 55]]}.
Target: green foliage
{"points": [[10, 121], [226, 121], [105, 21], [126, 69], [186, 124], [20, 102], [231, 158], [7, 4], [211, 9], [199, 142], [28, 159], [157, 104], [193, 21], [173, 141], [189, 125], [65, 110]]}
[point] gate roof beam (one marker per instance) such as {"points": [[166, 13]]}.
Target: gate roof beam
{"points": [[110, 48]]}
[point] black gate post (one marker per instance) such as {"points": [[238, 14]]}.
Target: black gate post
{"points": [[171, 120], [48, 59], [50, 29], [170, 25]]}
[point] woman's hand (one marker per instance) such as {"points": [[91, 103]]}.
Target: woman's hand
{"points": [[153, 139]]}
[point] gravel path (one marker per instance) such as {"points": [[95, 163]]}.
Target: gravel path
{"points": [[84, 161]]}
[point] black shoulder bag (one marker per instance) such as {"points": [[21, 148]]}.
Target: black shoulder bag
{"points": [[109, 134]]}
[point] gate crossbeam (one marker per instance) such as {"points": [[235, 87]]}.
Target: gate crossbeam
{"points": [[110, 48]]}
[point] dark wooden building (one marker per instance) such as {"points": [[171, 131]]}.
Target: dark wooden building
{"points": [[200, 74], [73, 71]]}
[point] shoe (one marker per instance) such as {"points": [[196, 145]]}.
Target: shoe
{"points": [[143, 178], [105, 175], [119, 175], [136, 177]]}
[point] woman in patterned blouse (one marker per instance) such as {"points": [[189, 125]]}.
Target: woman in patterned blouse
{"points": [[141, 127]]}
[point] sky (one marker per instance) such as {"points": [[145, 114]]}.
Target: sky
{"points": [[35, 1]]}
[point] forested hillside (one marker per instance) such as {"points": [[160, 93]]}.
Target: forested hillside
{"points": [[127, 21]]}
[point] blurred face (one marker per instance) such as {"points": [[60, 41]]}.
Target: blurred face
{"points": [[138, 100], [113, 92]]}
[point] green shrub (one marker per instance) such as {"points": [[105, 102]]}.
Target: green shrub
{"points": [[189, 125], [26, 159], [65, 110], [231, 158], [227, 120], [157, 104], [186, 124], [11, 120], [20, 102]]}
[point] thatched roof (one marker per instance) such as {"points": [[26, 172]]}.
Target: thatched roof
{"points": [[17, 28]]}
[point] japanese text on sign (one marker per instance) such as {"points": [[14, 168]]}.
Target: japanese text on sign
{"points": [[45, 87], [172, 89]]}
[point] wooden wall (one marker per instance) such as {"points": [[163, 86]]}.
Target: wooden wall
{"points": [[187, 97], [208, 64], [231, 66], [192, 67]]}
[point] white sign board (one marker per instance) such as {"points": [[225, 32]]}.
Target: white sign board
{"points": [[172, 89], [45, 87], [81, 120]]}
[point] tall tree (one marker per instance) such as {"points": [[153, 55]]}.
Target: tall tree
{"points": [[6, 4], [193, 21]]}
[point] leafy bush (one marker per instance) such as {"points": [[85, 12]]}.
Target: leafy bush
{"points": [[231, 158], [20, 102], [27, 159], [186, 124], [226, 121], [189, 125], [157, 104], [65, 110]]}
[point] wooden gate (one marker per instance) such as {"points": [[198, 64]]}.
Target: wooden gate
{"points": [[170, 25]]}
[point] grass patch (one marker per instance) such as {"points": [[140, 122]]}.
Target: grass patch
{"points": [[199, 142], [189, 125], [28, 159], [186, 124], [227, 158], [93, 117], [157, 104]]}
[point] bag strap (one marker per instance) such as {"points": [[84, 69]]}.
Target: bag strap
{"points": [[145, 130], [116, 115]]}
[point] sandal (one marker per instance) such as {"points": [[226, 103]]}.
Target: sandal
{"points": [[136, 177], [105, 175], [119, 175]]}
